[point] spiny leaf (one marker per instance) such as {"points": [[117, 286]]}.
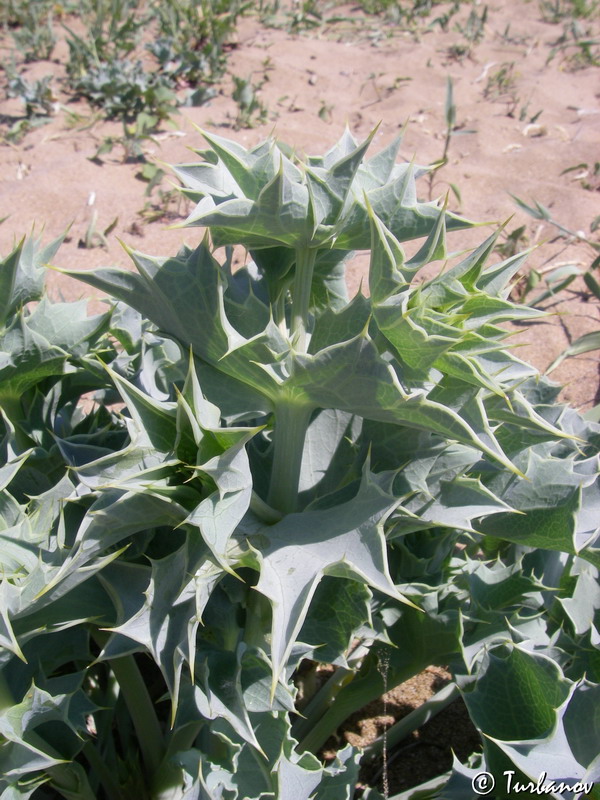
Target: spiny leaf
{"points": [[346, 541]]}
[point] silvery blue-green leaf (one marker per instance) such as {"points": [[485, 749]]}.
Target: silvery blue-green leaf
{"points": [[21, 791], [342, 148], [460, 783], [583, 606], [379, 168], [8, 640], [125, 584], [432, 249], [294, 782], [337, 609], [495, 279], [87, 602], [467, 271], [396, 205], [332, 327], [202, 178], [281, 214], [22, 274], [276, 265], [386, 276], [184, 298], [155, 421], [581, 721], [340, 776], [218, 515], [353, 377], [25, 358], [560, 499], [9, 469], [119, 467], [330, 185], [66, 325], [329, 453], [459, 503], [20, 760], [329, 288], [549, 758], [498, 587], [167, 622], [217, 693], [126, 325], [256, 679], [113, 517], [403, 328], [516, 694], [28, 751], [252, 168], [295, 553], [329, 194]]}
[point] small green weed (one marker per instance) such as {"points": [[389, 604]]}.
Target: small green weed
{"points": [[577, 46], [555, 11], [526, 116], [192, 37], [501, 87], [514, 242], [37, 96], [112, 34], [408, 14], [304, 16], [31, 27], [558, 278], [325, 111], [588, 175], [38, 99], [94, 237], [501, 82], [124, 89], [473, 29], [452, 129], [251, 110], [131, 141], [166, 205]]}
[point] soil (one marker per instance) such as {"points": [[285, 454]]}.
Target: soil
{"points": [[527, 124], [427, 752]]}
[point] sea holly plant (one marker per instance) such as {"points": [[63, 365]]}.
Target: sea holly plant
{"points": [[267, 476]]}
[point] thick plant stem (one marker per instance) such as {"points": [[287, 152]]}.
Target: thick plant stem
{"points": [[291, 422], [321, 702], [365, 686], [6, 698], [305, 263], [142, 711], [416, 719]]}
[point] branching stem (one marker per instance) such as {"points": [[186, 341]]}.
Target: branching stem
{"points": [[141, 708], [291, 422], [305, 264]]}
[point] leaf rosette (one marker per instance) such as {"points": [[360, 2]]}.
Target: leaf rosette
{"points": [[275, 475]]}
